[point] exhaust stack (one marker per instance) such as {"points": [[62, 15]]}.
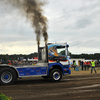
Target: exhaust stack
{"points": [[43, 50]]}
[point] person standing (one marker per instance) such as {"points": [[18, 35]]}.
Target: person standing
{"points": [[93, 66], [85, 64], [82, 63], [88, 65], [74, 65]]}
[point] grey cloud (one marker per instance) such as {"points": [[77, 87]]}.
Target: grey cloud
{"points": [[83, 22], [92, 4], [7, 10], [86, 43], [80, 23], [15, 38], [82, 16]]}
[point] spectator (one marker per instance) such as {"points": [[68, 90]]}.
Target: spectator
{"points": [[23, 62], [74, 65], [88, 65], [93, 66], [33, 63], [85, 64], [9, 62], [13, 62], [82, 63]]}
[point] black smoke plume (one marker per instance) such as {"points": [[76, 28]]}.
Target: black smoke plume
{"points": [[33, 11]]}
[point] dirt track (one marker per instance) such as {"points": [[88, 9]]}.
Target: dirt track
{"points": [[73, 87]]}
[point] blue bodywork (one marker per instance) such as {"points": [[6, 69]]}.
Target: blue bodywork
{"points": [[65, 68], [30, 71], [41, 71]]}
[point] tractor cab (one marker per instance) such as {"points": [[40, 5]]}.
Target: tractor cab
{"points": [[54, 53]]}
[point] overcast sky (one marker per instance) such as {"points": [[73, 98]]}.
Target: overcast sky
{"points": [[76, 22]]}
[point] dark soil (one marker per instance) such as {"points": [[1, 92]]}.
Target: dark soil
{"points": [[80, 87]]}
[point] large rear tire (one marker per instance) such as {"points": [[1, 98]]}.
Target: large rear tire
{"points": [[7, 76], [55, 75]]}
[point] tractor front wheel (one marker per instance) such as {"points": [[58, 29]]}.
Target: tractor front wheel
{"points": [[55, 75]]}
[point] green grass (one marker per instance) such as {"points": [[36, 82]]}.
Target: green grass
{"points": [[3, 97]]}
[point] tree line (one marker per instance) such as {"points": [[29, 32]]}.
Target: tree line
{"points": [[95, 56], [17, 56], [6, 57]]}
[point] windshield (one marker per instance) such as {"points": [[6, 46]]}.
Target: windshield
{"points": [[61, 51], [57, 52]]}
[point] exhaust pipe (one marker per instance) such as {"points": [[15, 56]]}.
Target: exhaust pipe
{"points": [[38, 51], [46, 47]]}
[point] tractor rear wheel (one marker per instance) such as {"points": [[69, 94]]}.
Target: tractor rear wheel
{"points": [[7, 76]]}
